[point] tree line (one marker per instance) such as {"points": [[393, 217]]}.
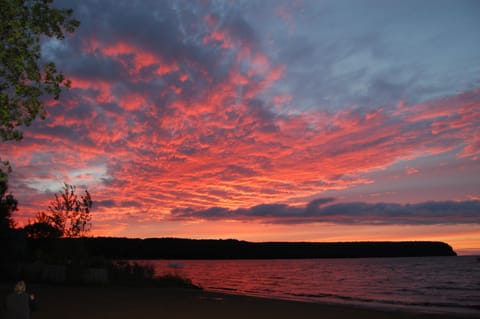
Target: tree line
{"points": [[178, 248]]}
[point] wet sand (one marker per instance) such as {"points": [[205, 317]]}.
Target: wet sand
{"points": [[73, 302]]}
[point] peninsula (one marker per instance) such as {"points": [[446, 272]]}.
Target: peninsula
{"points": [[176, 248]]}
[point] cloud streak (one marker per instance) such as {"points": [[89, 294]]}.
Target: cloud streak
{"points": [[321, 211]]}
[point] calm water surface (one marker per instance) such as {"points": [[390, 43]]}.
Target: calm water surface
{"points": [[425, 284]]}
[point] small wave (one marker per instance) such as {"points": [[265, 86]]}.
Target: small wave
{"points": [[350, 299], [311, 295], [451, 288], [333, 296], [410, 291]]}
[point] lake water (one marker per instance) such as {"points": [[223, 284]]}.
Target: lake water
{"points": [[420, 284]]}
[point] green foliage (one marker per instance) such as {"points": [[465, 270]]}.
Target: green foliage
{"points": [[23, 81], [68, 215]]}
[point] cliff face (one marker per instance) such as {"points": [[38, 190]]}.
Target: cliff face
{"points": [[172, 248]]}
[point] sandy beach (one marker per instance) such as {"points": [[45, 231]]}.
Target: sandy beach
{"points": [[73, 302]]}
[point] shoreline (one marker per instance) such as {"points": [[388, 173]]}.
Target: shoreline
{"points": [[373, 305], [119, 302]]}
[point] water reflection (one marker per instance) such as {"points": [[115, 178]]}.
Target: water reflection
{"points": [[435, 283]]}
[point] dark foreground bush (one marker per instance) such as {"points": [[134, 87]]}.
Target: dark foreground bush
{"points": [[143, 274], [130, 272], [174, 281]]}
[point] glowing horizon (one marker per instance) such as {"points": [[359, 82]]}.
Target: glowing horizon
{"points": [[277, 120]]}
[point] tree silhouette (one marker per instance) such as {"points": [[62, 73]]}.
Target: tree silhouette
{"points": [[8, 203], [42, 227], [68, 215]]}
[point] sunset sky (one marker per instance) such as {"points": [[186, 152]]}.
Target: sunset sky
{"points": [[265, 121]]}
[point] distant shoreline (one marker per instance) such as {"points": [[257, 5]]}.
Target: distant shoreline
{"points": [[177, 248]]}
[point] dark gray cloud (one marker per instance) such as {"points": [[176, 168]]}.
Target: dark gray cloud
{"points": [[375, 53], [367, 55], [321, 210], [172, 30], [240, 29]]}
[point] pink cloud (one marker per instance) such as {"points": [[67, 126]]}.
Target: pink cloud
{"points": [[133, 58], [221, 146], [102, 88], [131, 102], [285, 14], [211, 154], [411, 170], [220, 37]]}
